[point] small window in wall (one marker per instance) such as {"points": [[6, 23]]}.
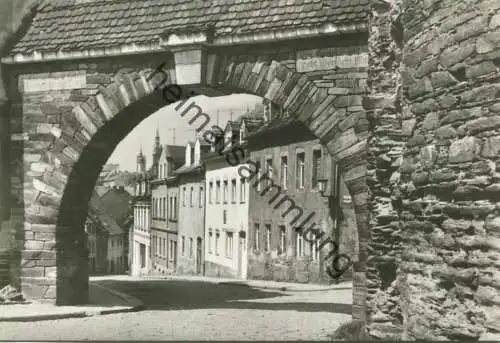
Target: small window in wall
{"points": [[210, 238], [217, 192], [299, 244], [282, 245], [267, 247], [316, 168], [210, 192], [229, 244], [243, 190], [224, 216], [313, 248], [201, 197], [183, 245], [284, 172], [184, 196], [233, 191], [269, 171], [191, 197], [217, 238], [256, 239], [257, 166], [300, 177], [190, 247], [225, 190]]}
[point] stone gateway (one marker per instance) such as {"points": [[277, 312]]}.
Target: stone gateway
{"points": [[404, 95]]}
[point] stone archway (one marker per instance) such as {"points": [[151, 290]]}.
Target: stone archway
{"points": [[87, 132]]}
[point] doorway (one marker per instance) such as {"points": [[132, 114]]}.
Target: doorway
{"points": [[198, 255], [241, 255]]}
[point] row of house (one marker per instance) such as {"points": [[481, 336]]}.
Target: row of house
{"points": [[196, 214], [107, 225]]}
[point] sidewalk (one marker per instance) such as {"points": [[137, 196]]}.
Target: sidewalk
{"points": [[263, 284], [102, 300]]}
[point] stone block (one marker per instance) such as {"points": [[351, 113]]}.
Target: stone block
{"points": [[445, 132], [33, 245], [483, 124], [431, 121], [33, 272], [491, 147], [480, 69], [420, 88], [463, 150], [453, 55], [440, 79]]}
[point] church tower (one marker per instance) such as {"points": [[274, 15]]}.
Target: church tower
{"points": [[141, 162]]}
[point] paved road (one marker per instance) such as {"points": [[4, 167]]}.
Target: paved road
{"points": [[189, 310]]}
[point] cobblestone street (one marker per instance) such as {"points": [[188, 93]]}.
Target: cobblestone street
{"points": [[189, 310]]}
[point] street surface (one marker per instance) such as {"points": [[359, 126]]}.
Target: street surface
{"points": [[200, 310]]}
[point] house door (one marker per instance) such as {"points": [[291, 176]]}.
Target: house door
{"points": [[241, 255], [198, 255], [175, 255]]}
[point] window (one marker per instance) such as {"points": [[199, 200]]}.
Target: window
{"points": [[202, 197], [316, 168], [282, 247], [164, 247], [164, 214], [267, 247], [226, 186], [217, 192], [269, 171], [300, 170], [217, 236], [256, 239], [243, 189], [233, 190], [191, 197], [224, 216], [184, 196], [210, 191], [257, 165], [160, 173], [284, 172], [170, 205], [299, 244], [229, 244], [183, 245], [142, 252], [210, 238], [191, 247], [192, 155], [175, 208], [313, 248]]}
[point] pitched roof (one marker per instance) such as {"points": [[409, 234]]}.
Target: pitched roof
{"points": [[107, 222], [76, 25]]}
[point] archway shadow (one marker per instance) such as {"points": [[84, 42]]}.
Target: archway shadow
{"points": [[172, 295]]}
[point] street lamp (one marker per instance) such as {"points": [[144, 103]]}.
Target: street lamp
{"points": [[333, 205]]}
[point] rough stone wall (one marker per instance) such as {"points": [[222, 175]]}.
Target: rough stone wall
{"points": [[448, 177], [389, 131]]}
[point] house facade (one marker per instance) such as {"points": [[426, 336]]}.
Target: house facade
{"points": [[191, 238], [164, 205], [141, 249], [227, 204], [285, 194]]}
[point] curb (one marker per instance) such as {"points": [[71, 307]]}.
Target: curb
{"points": [[134, 305], [284, 288]]}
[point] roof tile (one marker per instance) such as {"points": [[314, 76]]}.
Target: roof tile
{"points": [[83, 24]]}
